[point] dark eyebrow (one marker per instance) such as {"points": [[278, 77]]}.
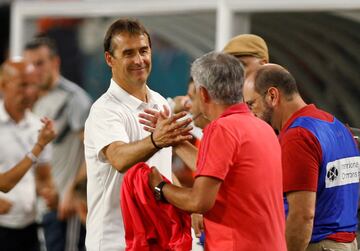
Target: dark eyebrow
{"points": [[127, 51]]}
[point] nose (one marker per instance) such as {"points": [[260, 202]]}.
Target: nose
{"points": [[138, 59]]}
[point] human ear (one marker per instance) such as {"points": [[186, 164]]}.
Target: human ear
{"points": [[204, 94], [274, 95], [108, 58]]}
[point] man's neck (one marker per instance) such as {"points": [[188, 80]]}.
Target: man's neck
{"points": [[139, 91], [215, 110], [55, 81], [51, 86], [16, 114], [288, 108]]}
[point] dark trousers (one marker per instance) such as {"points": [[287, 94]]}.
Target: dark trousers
{"points": [[24, 239], [55, 232]]}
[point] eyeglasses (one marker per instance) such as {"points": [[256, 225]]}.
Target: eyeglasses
{"points": [[250, 103]]}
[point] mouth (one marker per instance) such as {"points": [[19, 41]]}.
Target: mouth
{"points": [[138, 69]]}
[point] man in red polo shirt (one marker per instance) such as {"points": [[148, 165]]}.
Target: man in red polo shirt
{"points": [[238, 183]]}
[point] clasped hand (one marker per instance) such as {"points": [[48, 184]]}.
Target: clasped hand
{"points": [[167, 130]]}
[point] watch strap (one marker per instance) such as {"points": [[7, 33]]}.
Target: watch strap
{"points": [[159, 195]]}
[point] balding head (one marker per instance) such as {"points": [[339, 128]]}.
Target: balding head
{"points": [[16, 88], [273, 75], [269, 91], [15, 67]]}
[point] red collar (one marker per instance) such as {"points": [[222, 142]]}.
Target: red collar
{"points": [[237, 108], [296, 115]]}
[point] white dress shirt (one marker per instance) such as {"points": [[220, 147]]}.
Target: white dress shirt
{"points": [[16, 140]]}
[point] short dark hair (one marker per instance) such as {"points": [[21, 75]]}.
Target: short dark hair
{"points": [[124, 25], [278, 77], [40, 41]]}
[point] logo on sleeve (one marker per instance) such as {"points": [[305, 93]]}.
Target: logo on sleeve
{"points": [[342, 172]]}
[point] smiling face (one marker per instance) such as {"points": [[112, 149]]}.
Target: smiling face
{"points": [[131, 59]]}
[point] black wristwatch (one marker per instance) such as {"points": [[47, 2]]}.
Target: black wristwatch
{"points": [[159, 196]]}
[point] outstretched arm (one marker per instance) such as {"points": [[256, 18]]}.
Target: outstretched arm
{"points": [[198, 199], [168, 132]]}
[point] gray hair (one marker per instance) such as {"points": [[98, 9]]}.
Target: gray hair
{"points": [[221, 74]]}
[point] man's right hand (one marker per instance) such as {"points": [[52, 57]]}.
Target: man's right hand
{"points": [[197, 223], [170, 131], [150, 117], [47, 132], [5, 206]]}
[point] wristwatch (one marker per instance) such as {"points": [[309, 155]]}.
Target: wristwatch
{"points": [[159, 196]]}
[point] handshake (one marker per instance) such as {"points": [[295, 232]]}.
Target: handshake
{"points": [[166, 130]]}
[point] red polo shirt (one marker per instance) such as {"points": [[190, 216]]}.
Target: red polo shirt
{"points": [[244, 153]]}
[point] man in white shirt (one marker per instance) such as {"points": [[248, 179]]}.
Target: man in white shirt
{"points": [[68, 105], [115, 140], [19, 133]]}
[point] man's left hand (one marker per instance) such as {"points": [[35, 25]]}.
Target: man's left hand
{"points": [[154, 178]]}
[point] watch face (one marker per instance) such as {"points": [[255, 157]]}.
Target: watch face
{"points": [[157, 193]]}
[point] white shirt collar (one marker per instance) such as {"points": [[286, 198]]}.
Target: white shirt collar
{"points": [[5, 117], [129, 100]]}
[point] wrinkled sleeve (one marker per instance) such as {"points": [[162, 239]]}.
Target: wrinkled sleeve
{"points": [[104, 127]]}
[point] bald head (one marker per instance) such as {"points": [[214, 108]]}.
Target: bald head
{"points": [[13, 68], [17, 83], [273, 75]]}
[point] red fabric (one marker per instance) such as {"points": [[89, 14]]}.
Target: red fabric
{"points": [[243, 151], [342, 237], [302, 157], [151, 225]]}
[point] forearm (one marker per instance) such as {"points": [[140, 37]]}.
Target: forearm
{"points": [[188, 153], [122, 156], [11, 177], [298, 232], [183, 198]]}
